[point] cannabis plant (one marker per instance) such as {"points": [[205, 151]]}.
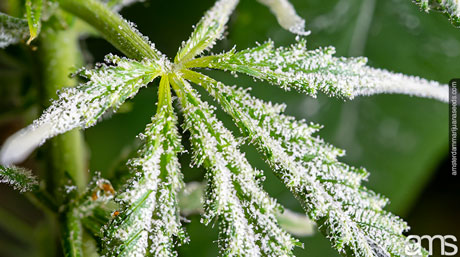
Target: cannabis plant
{"points": [[144, 214]]}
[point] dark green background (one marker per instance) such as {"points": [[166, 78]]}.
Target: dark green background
{"points": [[401, 140]]}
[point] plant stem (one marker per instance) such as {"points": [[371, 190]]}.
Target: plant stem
{"points": [[112, 27], [72, 234], [60, 53]]}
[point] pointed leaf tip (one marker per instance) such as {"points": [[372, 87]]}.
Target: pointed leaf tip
{"points": [[233, 196], [34, 14], [22, 143], [350, 216], [83, 106], [310, 71], [21, 179], [208, 30], [286, 15]]}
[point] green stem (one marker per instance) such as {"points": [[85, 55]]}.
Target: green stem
{"points": [[164, 94], [60, 53], [72, 234], [112, 27]]}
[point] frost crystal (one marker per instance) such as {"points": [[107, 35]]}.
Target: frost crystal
{"points": [[451, 8], [287, 16], [207, 31], [311, 70], [12, 30], [81, 107], [233, 195], [147, 222], [150, 217], [350, 215], [20, 178]]}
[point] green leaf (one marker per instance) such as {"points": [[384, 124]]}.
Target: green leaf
{"points": [[12, 30], [294, 223], [34, 15], [309, 71], [234, 197], [81, 107], [149, 217], [350, 216], [451, 8], [207, 31], [20, 178]]}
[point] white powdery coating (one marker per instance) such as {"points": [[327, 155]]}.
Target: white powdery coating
{"points": [[237, 235], [243, 210], [330, 191], [286, 15], [19, 178], [450, 6], [140, 221], [309, 71], [372, 81], [81, 107], [12, 30], [167, 222], [150, 200], [208, 30]]}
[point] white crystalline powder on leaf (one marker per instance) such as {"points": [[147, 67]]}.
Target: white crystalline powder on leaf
{"points": [[81, 107], [310, 71], [12, 30]]}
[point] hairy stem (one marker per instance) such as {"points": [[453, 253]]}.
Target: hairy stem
{"points": [[72, 234], [112, 27], [60, 54]]}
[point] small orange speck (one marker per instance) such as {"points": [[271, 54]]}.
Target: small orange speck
{"points": [[94, 196], [115, 213], [108, 188]]}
